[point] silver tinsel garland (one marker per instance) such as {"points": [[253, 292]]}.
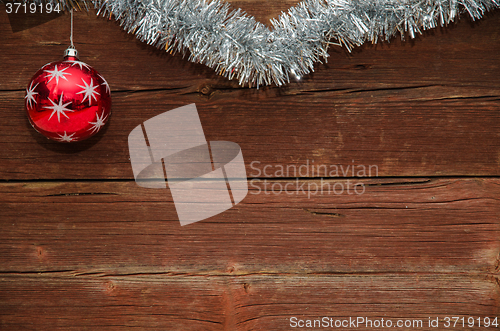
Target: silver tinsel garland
{"points": [[236, 46]]}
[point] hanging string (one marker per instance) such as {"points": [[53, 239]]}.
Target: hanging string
{"points": [[71, 36]]}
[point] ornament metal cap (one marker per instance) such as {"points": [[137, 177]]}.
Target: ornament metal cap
{"points": [[71, 52]]}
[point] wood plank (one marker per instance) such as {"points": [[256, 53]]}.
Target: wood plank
{"points": [[445, 57], [445, 225], [398, 137], [253, 302]]}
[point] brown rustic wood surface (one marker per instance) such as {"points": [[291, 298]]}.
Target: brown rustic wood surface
{"points": [[82, 247]]}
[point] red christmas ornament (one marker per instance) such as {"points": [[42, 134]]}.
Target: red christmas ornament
{"points": [[68, 100]]}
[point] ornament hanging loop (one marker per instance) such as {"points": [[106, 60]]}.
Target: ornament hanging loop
{"points": [[71, 50]]}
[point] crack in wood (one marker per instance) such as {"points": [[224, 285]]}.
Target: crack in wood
{"points": [[151, 90], [402, 183], [79, 194], [381, 89], [323, 213], [418, 180], [242, 274]]}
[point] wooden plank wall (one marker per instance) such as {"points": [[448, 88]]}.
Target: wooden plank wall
{"points": [[82, 247]]}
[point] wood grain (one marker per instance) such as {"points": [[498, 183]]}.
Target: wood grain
{"points": [[399, 138], [82, 247], [447, 226], [253, 302]]}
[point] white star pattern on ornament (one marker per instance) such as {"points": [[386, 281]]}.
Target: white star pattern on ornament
{"points": [[105, 83], [57, 74], [59, 109], [99, 123], [30, 94], [80, 63], [89, 90], [66, 138]]}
